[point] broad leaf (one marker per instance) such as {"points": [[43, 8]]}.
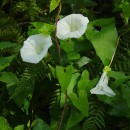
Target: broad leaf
{"points": [[4, 124], [83, 61], [103, 35], [39, 124], [69, 88], [64, 76], [75, 45], [120, 109], [67, 46], [4, 45], [84, 80], [73, 56], [6, 61], [53, 125], [80, 102], [118, 76], [19, 127], [40, 28], [54, 4], [72, 83], [126, 11], [8, 77], [74, 118]]}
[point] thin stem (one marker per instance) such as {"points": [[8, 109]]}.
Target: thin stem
{"points": [[115, 51], [117, 45], [59, 54], [56, 39], [63, 112]]}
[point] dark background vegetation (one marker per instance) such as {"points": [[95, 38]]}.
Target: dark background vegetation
{"points": [[15, 18]]}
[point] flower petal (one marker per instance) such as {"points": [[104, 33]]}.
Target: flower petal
{"points": [[72, 26], [35, 48], [103, 90], [102, 87], [108, 91], [96, 90]]}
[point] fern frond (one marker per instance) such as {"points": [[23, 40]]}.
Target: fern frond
{"points": [[54, 104], [28, 7], [25, 86], [54, 99], [121, 61], [95, 118], [9, 29]]}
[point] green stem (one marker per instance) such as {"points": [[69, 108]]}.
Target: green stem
{"points": [[114, 52], [117, 45]]}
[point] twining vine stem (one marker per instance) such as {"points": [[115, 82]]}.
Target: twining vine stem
{"points": [[59, 56], [63, 112], [56, 39]]}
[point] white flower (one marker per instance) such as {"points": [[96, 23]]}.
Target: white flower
{"points": [[35, 48], [102, 87], [72, 26]]}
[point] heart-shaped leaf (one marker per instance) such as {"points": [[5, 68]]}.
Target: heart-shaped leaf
{"points": [[64, 76], [103, 35], [81, 102]]}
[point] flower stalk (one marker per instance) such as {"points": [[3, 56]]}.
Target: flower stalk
{"points": [[102, 87]]}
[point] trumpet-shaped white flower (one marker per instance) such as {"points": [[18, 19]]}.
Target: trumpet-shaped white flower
{"points": [[35, 48], [72, 26], [102, 87]]}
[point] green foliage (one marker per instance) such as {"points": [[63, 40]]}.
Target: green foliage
{"points": [[124, 7], [84, 81], [40, 28], [126, 11], [64, 76], [24, 87], [74, 118], [6, 61], [9, 29], [54, 4], [125, 93], [4, 124], [29, 7], [4, 45], [39, 124], [95, 117], [8, 77], [19, 127], [41, 96], [83, 61], [103, 40], [80, 102]]}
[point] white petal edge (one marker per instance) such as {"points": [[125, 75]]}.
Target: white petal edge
{"points": [[28, 51], [107, 91], [65, 24], [102, 87]]}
